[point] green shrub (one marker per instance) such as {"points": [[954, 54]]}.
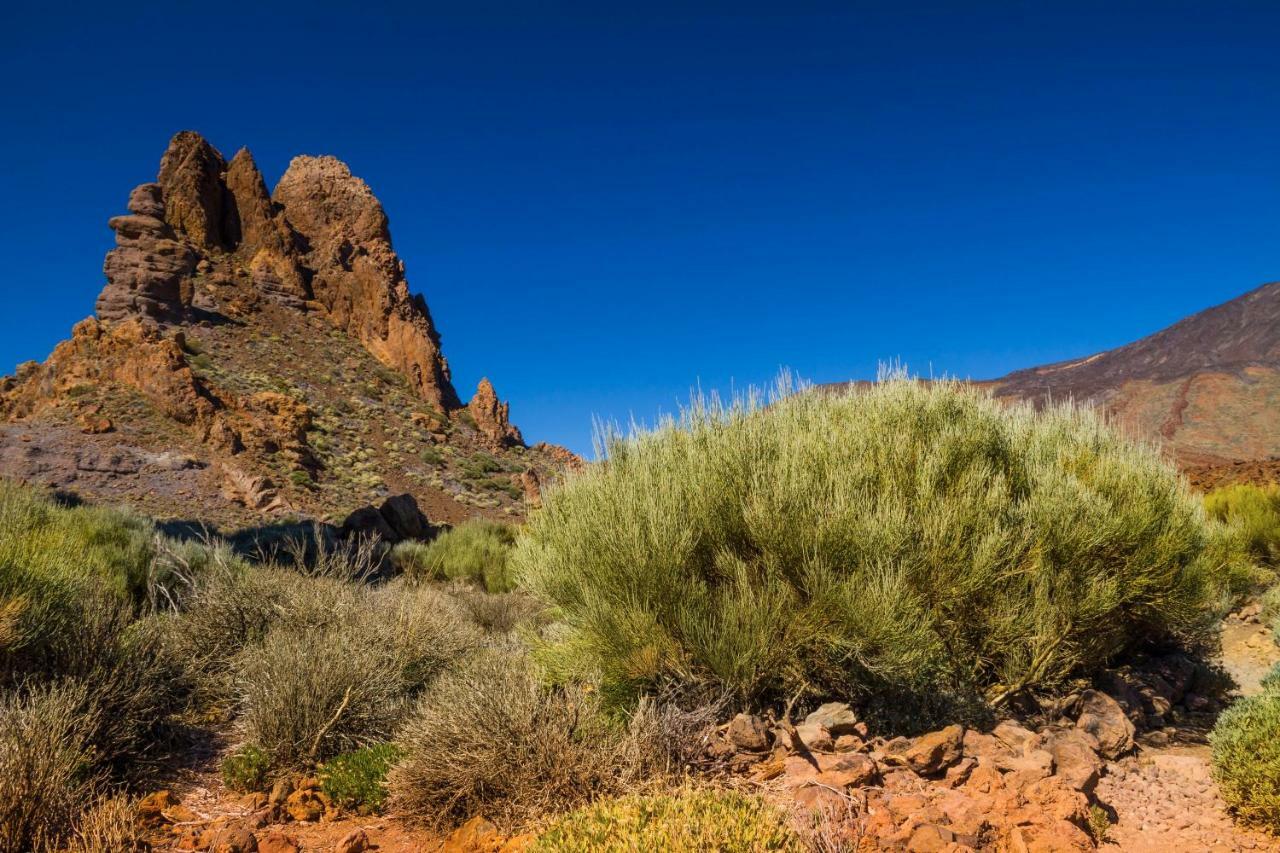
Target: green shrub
{"points": [[909, 540], [46, 548], [431, 456], [1246, 758], [1255, 510], [478, 550], [357, 781], [247, 769], [689, 820], [301, 479]]}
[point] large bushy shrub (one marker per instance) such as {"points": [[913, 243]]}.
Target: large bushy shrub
{"points": [[910, 538], [1246, 757], [478, 550]]}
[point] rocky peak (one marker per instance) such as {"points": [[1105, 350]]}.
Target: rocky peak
{"points": [[195, 196], [357, 276], [256, 222], [493, 417]]}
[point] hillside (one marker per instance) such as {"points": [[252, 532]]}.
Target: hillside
{"points": [[1207, 387], [256, 357]]}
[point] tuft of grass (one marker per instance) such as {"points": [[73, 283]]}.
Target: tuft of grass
{"points": [[686, 820], [44, 765], [492, 738], [912, 540], [247, 769], [1246, 757], [357, 781], [478, 550]]}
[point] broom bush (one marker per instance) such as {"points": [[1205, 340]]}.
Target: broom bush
{"points": [[910, 539]]}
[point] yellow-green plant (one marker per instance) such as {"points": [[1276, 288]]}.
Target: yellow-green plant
{"points": [[686, 820], [1255, 511], [911, 538]]}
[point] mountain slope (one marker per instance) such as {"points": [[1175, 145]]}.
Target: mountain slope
{"points": [[256, 357], [1207, 387]]}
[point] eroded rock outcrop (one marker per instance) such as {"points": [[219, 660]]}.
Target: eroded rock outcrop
{"points": [[146, 270], [493, 417]]}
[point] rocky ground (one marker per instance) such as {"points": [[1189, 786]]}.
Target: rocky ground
{"points": [[1126, 769]]}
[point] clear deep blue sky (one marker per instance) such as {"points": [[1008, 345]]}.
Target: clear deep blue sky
{"points": [[606, 203]]}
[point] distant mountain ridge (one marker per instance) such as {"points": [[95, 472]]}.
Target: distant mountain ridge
{"points": [[1206, 387]]}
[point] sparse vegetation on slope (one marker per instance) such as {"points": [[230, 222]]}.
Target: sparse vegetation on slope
{"points": [[908, 539]]}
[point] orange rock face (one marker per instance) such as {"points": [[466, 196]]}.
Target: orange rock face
{"points": [[358, 277]]}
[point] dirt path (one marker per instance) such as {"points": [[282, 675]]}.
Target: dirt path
{"points": [[1165, 798]]}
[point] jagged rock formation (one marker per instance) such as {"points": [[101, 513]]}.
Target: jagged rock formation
{"points": [[493, 418], [272, 341], [324, 236]]}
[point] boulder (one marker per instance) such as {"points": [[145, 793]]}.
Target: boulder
{"points": [[1101, 717], [405, 519]]}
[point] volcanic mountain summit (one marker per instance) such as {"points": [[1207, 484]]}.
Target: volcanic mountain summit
{"points": [[258, 354], [1207, 387]]}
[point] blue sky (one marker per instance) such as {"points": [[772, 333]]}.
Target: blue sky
{"points": [[607, 203]]}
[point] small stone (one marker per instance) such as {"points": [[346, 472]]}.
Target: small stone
{"points": [[353, 842], [836, 717], [930, 838], [277, 842], [934, 752], [235, 839], [747, 731], [849, 743]]}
